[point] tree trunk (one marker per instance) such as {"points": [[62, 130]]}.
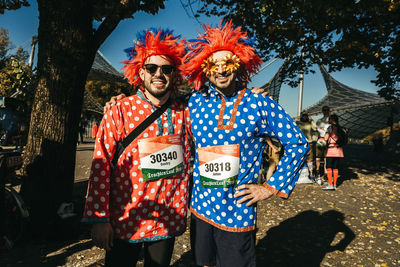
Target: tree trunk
{"points": [[66, 53]]}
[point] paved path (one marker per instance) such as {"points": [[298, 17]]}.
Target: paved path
{"points": [[84, 155]]}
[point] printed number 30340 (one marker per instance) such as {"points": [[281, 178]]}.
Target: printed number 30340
{"points": [[163, 157]]}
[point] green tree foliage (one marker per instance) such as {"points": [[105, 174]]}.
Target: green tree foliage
{"points": [[102, 91], [15, 74], [339, 34], [12, 4], [5, 46]]}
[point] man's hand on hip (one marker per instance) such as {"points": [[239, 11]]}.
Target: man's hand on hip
{"points": [[252, 193], [103, 235]]}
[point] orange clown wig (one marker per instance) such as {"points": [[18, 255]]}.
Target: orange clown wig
{"points": [[152, 42], [198, 64]]}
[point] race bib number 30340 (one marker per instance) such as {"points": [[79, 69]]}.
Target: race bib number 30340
{"points": [[160, 157], [219, 165]]}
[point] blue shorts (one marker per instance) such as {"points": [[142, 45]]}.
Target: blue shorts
{"points": [[213, 246]]}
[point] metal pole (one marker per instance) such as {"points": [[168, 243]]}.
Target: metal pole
{"points": [[300, 104], [266, 66], [34, 41]]}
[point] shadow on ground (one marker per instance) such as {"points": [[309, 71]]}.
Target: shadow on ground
{"points": [[299, 241], [52, 247], [45, 252], [304, 239], [370, 162]]}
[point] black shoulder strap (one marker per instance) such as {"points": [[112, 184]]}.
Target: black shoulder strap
{"points": [[146, 123], [135, 133]]}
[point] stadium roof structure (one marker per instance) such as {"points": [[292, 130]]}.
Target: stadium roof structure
{"points": [[274, 85], [101, 70], [90, 104], [361, 112]]}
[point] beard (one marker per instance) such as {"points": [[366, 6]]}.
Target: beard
{"points": [[157, 92]]}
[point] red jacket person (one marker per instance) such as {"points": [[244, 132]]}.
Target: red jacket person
{"points": [[144, 200]]}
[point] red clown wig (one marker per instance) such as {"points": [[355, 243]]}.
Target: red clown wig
{"points": [[152, 42], [224, 37]]}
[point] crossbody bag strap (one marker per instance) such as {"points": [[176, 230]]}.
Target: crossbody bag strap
{"points": [[138, 130]]}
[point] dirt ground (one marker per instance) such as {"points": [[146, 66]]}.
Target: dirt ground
{"points": [[356, 225]]}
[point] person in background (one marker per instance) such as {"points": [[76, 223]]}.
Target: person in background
{"points": [[274, 153], [95, 129], [322, 127], [309, 128], [333, 154], [82, 128]]}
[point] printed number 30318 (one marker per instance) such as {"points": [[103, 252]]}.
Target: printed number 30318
{"points": [[216, 167]]}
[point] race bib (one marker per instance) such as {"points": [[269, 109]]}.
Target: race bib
{"points": [[160, 157], [219, 165]]}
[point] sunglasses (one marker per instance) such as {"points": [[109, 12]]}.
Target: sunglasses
{"points": [[166, 69]]}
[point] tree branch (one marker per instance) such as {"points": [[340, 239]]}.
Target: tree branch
{"points": [[105, 29], [119, 11]]}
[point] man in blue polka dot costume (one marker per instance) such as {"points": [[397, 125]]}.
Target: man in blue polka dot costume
{"points": [[229, 125]]}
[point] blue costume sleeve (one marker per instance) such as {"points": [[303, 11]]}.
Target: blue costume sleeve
{"points": [[277, 123]]}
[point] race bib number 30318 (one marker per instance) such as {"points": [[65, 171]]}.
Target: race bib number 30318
{"points": [[219, 165], [160, 157]]}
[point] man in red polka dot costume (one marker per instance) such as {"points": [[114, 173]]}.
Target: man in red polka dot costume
{"points": [[144, 201]]}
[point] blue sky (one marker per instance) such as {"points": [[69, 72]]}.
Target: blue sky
{"points": [[22, 24]]}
